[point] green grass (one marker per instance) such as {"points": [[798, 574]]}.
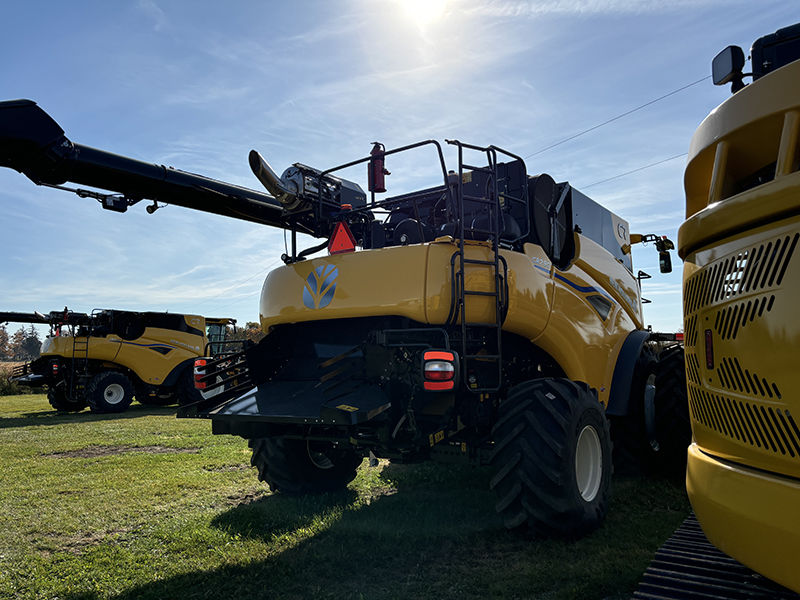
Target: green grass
{"points": [[144, 505]]}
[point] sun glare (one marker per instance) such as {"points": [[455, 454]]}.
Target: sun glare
{"points": [[424, 12]]}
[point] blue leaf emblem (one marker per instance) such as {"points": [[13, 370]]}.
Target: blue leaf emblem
{"points": [[320, 286]]}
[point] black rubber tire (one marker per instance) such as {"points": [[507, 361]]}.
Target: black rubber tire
{"points": [[109, 392], [299, 467], [187, 393], [633, 454], [673, 426], [59, 401], [541, 425]]}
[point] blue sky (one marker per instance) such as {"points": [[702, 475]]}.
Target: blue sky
{"points": [[197, 85]]}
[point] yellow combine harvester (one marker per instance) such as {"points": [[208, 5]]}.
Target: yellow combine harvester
{"points": [[492, 319], [103, 359], [742, 332]]}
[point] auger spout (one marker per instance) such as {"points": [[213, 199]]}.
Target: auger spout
{"points": [[284, 190]]}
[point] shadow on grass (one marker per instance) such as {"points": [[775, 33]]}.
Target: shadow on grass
{"points": [[390, 541], [55, 417], [428, 531]]}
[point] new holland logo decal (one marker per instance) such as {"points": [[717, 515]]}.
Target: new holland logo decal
{"points": [[320, 286]]}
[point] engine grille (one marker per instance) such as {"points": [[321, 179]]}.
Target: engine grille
{"points": [[759, 268], [752, 423], [735, 389]]}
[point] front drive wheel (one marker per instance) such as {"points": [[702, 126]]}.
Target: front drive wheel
{"points": [[109, 392], [552, 459], [297, 467]]}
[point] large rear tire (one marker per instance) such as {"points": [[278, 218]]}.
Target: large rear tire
{"points": [[673, 426], [298, 467], [187, 392], [553, 459], [109, 392]]}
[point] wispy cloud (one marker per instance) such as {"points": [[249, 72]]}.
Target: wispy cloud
{"points": [[316, 82], [151, 9], [532, 8]]}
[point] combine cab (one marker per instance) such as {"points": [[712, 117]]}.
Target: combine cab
{"points": [[492, 319]]}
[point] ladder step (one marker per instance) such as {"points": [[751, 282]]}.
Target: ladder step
{"points": [[480, 199], [506, 198], [479, 293], [489, 232], [476, 261], [466, 167]]}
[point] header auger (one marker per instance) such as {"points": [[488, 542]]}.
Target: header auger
{"points": [[492, 319]]}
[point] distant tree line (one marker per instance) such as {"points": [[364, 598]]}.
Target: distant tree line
{"points": [[22, 345], [251, 331]]}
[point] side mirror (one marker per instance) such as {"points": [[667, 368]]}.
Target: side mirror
{"points": [[663, 245], [665, 262], [727, 68]]}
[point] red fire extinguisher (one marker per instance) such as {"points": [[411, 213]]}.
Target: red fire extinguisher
{"points": [[377, 170]]}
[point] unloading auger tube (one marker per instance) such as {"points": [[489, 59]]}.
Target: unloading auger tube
{"points": [[303, 199], [32, 143]]}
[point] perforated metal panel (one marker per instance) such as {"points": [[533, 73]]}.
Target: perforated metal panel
{"points": [[737, 349]]}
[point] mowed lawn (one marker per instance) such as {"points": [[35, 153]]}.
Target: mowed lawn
{"points": [[144, 505]]}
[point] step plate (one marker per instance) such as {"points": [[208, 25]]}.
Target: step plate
{"points": [[304, 402], [689, 567]]}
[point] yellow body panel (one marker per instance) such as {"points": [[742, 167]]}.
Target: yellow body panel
{"points": [[743, 291], [754, 128], [100, 348], [153, 367], [415, 282], [138, 355], [586, 346], [750, 515], [742, 335]]}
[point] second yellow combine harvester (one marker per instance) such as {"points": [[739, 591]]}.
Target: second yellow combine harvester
{"points": [[103, 359]]}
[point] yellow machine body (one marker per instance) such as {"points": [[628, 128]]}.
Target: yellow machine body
{"points": [[151, 356], [546, 305], [742, 335]]}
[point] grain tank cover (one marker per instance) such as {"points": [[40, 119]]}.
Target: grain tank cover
{"points": [[601, 225]]}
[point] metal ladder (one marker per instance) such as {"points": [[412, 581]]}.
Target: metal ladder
{"points": [[79, 373], [481, 342]]}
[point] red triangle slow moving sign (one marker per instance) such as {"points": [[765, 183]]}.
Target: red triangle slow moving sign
{"points": [[342, 240]]}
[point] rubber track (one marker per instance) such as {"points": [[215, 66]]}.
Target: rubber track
{"points": [[689, 567]]}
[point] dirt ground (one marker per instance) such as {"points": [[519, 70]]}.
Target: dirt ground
{"points": [[94, 451]]}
